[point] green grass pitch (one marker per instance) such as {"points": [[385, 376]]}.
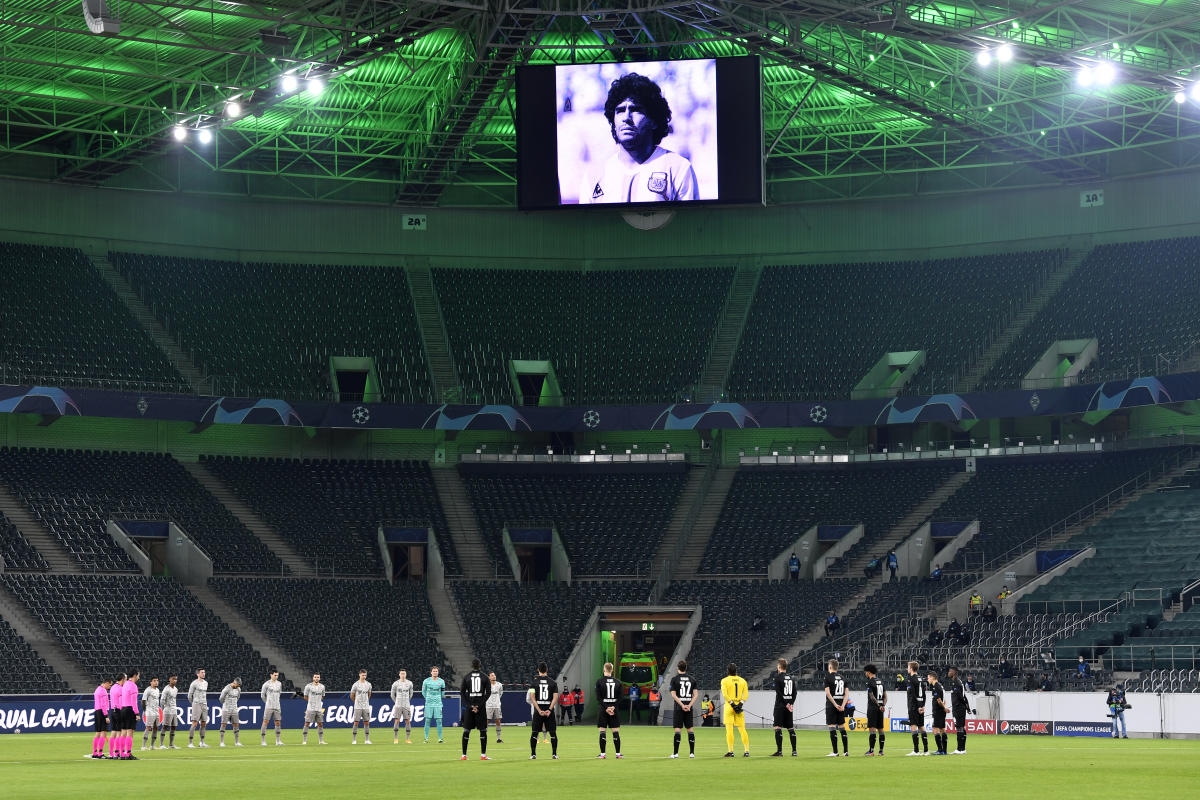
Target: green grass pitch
{"points": [[52, 765]]}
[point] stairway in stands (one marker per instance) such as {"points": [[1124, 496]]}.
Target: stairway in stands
{"points": [[679, 528], [42, 540], [250, 518], [729, 333], [452, 633], [901, 530], [464, 526], [706, 521], [1079, 251], [442, 370], [43, 643], [295, 672], [196, 379]]}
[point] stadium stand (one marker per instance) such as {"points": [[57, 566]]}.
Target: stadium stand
{"points": [[800, 341], [769, 508], [610, 522], [337, 627], [330, 510], [61, 324], [613, 336], [789, 610], [514, 626], [273, 327], [23, 671], [16, 553], [112, 623], [75, 492], [1134, 320]]}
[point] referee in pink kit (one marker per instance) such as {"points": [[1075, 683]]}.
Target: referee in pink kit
{"points": [[128, 712], [100, 723]]}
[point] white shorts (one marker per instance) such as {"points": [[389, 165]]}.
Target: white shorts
{"points": [[272, 715], [229, 716], [170, 716], [312, 716], [402, 713], [493, 713], [151, 717], [362, 715], [199, 712]]}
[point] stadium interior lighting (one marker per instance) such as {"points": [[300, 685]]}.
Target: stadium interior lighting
{"points": [[1004, 53], [179, 132], [984, 58], [233, 109], [1105, 73], [1085, 78], [204, 136], [288, 84], [1180, 97], [315, 86], [1194, 92]]}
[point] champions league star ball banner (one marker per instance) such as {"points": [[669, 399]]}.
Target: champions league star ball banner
{"points": [[67, 715], [946, 408]]}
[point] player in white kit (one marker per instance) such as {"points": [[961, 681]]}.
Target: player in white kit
{"points": [[360, 693], [640, 171], [493, 705], [402, 692], [230, 696], [151, 699], [168, 698], [272, 710], [198, 697], [314, 714]]}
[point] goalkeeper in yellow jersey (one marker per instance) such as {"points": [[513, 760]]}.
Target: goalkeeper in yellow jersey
{"points": [[735, 691]]}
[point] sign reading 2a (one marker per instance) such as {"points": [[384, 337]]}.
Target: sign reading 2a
{"points": [[415, 222]]}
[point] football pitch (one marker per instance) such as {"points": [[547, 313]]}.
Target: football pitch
{"points": [[53, 765]]}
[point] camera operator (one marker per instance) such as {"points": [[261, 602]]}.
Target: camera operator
{"points": [[1117, 706]]}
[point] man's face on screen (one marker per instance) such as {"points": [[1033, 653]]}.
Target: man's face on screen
{"points": [[631, 127]]}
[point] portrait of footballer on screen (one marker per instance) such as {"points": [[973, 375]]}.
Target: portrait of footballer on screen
{"points": [[637, 132]]}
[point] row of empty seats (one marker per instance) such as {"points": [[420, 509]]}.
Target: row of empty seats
{"points": [[15, 550], [23, 671]]}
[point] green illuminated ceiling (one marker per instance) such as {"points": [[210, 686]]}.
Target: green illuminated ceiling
{"points": [[861, 98]]}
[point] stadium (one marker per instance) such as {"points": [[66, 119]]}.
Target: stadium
{"points": [[317, 357]]}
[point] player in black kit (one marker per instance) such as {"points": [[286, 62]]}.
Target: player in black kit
{"points": [[474, 691], [545, 696], [608, 691], [916, 709], [835, 707], [958, 707], [937, 699], [683, 692], [785, 703], [876, 702]]}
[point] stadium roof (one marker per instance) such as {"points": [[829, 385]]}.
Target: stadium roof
{"points": [[861, 98]]}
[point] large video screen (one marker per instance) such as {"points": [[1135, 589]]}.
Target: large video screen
{"points": [[639, 133]]}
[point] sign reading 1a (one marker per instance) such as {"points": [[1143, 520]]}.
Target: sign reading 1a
{"points": [[1091, 198], [415, 222]]}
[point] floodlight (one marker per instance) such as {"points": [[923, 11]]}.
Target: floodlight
{"points": [[315, 86], [984, 58], [204, 135], [1194, 92], [1004, 53], [1085, 77], [1106, 73], [179, 132], [288, 84], [233, 109], [1180, 97]]}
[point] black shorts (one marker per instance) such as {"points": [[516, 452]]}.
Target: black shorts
{"points": [[960, 721], [474, 720], [101, 722], [119, 719], [916, 718], [939, 719], [783, 718], [681, 718], [874, 716], [547, 723], [833, 716], [604, 720]]}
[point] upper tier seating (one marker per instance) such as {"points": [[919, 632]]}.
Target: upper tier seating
{"points": [[75, 492], [769, 508], [16, 551], [613, 336], [61, 324], [22, 671], [273, 327], [514, 626], [610, 523], [1136, 298], [330, 511], [337, 627], [789, 609], [815, 330], [114, 623]]}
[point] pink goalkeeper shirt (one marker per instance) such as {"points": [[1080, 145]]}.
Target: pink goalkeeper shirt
{"points": [[101, 700]]}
